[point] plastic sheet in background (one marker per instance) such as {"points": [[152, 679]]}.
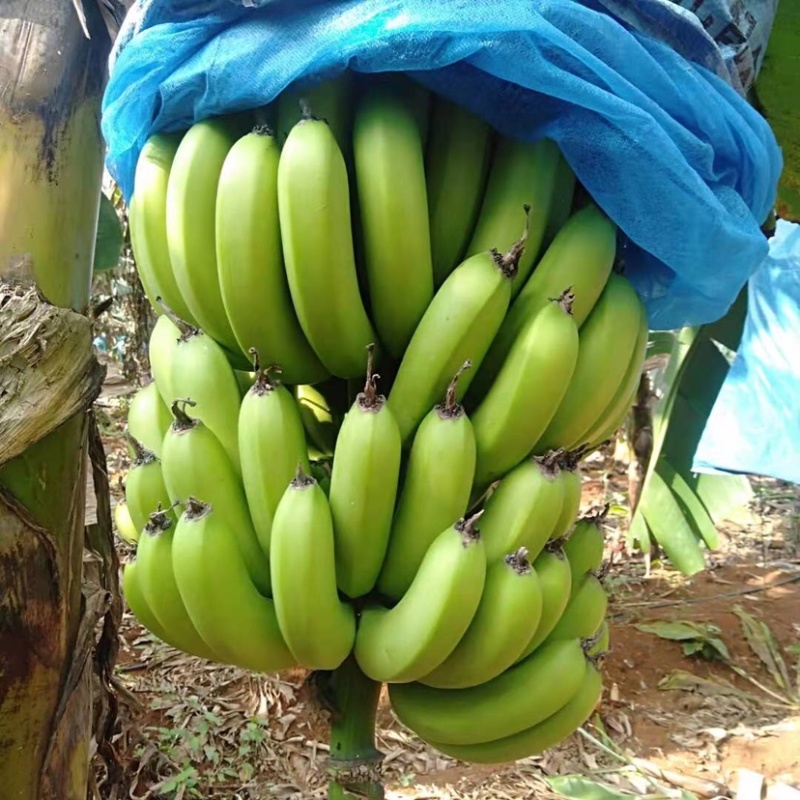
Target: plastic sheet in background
{"points": [[754, 425], [672, 153]]}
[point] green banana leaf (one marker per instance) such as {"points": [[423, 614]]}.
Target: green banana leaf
{"points": [[109, 241]]}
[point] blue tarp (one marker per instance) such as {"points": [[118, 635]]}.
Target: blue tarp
{"points": [[658, 133]]}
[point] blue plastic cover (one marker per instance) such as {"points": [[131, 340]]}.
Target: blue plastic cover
{"points": [[754, 426], [665, 145]]}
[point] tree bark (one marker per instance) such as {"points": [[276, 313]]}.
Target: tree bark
{"points": [[59, 599]]}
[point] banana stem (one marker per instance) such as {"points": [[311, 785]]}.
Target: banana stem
{"points": [[355, 762]]}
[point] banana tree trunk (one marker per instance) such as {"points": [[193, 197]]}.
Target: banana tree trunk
{"points": [[54, 666]]}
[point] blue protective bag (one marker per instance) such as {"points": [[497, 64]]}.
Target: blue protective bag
{"points": [[754, 426], [662, 141]]}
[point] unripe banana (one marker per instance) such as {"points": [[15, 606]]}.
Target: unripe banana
{"points": [[132, 592], [149, 418], [523, 509], [611, 427], [224, 605], [571, 480], [555, 579], [585, 545], [314, 206], [527, 392], [160, 590], [561, 204], [147, 222], [245, 380], [191, 209], [584, 613], [420, 632], [540, 737], [366, 467], [581, 256], [510, 608], [517, 699], [319, 419], [521, 173], [456, 165], [606, 347], [161, 351], [458, 326], [127, 531], [195, 464], [145, 491], [250, 260], [393, 206], [317, 626], [272, 443], [202, 373], [435, 491], [600, 642]]}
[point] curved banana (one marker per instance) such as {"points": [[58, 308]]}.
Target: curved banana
{"points": [[555, 579], [250, 260], [606, 347], [366, 468], [393, 209], [510, 608], [149, 418], [145, 491], [160, 590], [132, 592], [585, 612], [600, 643], [527, 392], [414, 637], [458, 326], [161, 351], [435, 491], [540, 737], [314, 207], [521, 173], [585, 545], [195, 464], [191, 212], [147, 222], [456, 165], [613, 426], [562, 200], [202, 373], [517, 699], [319, 419], [317, 626], [127, 531], [272, 443], [581, 256], [226, 608], [570, 478]]}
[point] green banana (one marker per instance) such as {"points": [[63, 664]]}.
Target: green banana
{"points": [[161, 351], [127, 531], [317, 626], [581, 256], [540, 737], [410, 640], [561, 205], [606, 346], [495, 637], [435, 492], [191, 209], [393, 206], [527, 391], [245, 380], [272, 443], [319, 419], [148, 418], [147, 222], [523, 509], [521, 173], [456, 166], [195, 464], [160, 590], [329, 101], [457, 326], [585, 612], [132, 592], [519, 698], [555, 579], [366, 467], [314, 207], [585, 545], [145, 491], [571, 480], [202, 373], [611, 426], [250, 260], [600, 643], [224, 605]]}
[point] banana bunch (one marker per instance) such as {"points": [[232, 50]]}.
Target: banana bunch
{"points": [[387, 336]]}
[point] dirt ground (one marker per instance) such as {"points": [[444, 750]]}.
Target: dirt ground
{"points": [[669, 723]]}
